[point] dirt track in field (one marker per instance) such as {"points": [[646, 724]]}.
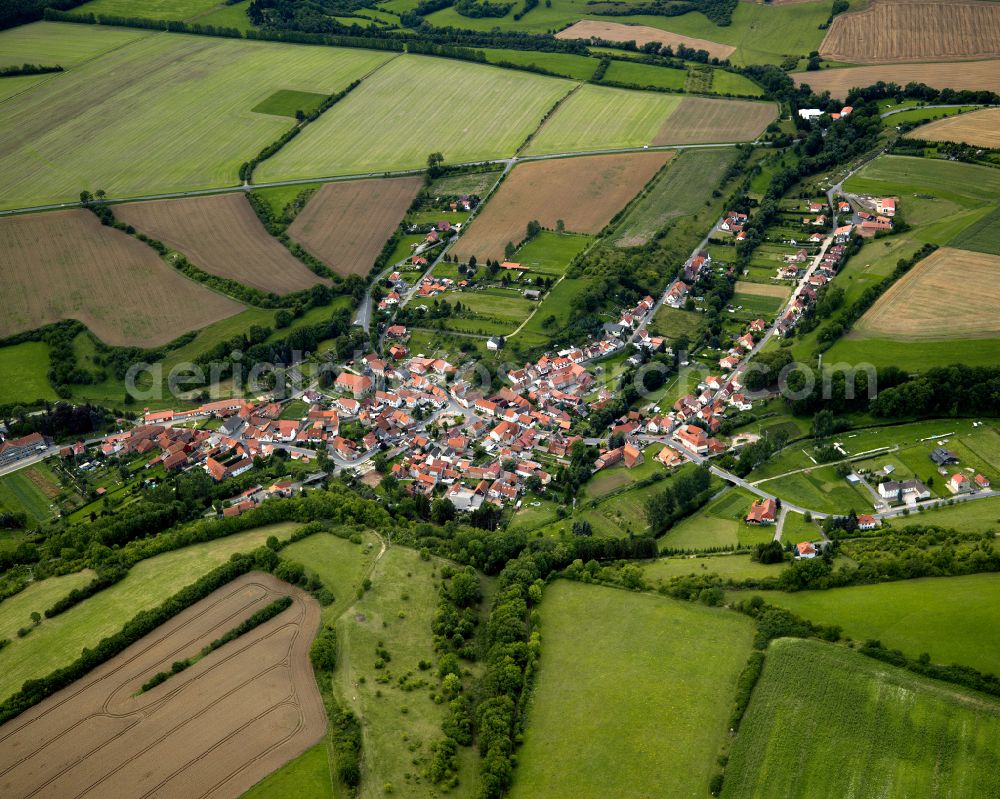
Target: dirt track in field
{"points": [[213, 730], [702, 120], [961, 75], [980, 129], [221, 234], [918, 30], [584, 192], [66, 265], [641, 34], [952, 294], [346, 224]]}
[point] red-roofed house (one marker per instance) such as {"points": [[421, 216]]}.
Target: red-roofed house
{"points": [[762, 512]]}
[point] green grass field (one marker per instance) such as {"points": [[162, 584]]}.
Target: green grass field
{"points": [[286, 103], [673, 322], [58, 641], [151, 9], [944, 616], [550, 253], [24, 368], [983, 236], [645, 75], [578, 67], [375, 128], [825, 723], [478, 183], [278, 197], [15, 611], [305, 777], [399, 723], [31, 490], [821, 490], [603, 118], [632, 704], [910, 357], [926, 115], [234, 16], [719, 524], [968, 517], [735, 567], [967, 185], [757, 304], [680, 190], [340, 564], [102, 124], [50, 43], [554, 312], [618, 477]]}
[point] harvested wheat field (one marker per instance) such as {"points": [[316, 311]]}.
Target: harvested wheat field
{"points": [[584, 192], [980, 129], [700, 120], [346, 224], [952, 294], [890, 31], [761, 289], [956, 75], [222, 235], [212, 730], [66, 265], [641, 34]]}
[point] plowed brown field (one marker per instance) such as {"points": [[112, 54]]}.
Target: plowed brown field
{"points": [[346, 224], [222, 235], [640, 34], [700, 120], [930, 30], [980, 129], [584, 192], [66, 265], [957, 75], [935, 300], [213, 730]]}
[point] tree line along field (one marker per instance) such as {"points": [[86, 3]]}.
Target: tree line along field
{"points": [[585, 193], [66, 265], [346, 224], [637, 704], [373, 130], [221, 234], [58, 641], [971, 75], [824, 723], [214, 729], [979, 128], [161, 113], [679, 190], [641, 34], [892, 31]]}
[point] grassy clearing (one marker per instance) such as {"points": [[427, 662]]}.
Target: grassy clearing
{"points": [[32, 490], [820, 711], [15, 611], [623, 711], [578, 67], [50, 43], [101, 125], [719, 524], [944, 616], [820, 489], [550, 253], [680, 190], [910, 357], [983, 236], [555, 311], [673, 322], [234, 16], [477, 183], [645, 75], [735, 567], [278, 197], [967, 185], [287, 103], [57, 641], [601, 118], [24, 368], [399, 724], [373, 130]]}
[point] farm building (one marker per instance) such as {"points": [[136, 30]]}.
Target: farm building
{"points": [[762, 512]]}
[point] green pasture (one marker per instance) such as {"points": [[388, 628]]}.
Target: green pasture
{"points": [[340, 564], [603, 118], [58, 641], [470, 183], [645, 75], [730, 567], [287, 102], [674, 322], [825, 723], [719, 524], [375, 129], [550, 253], [757, 304], [820, 489], [976, 516], [943, 616], [234, 16], [554, 312], [578, 67], [52, 43], [967, 185], [982, 236], [278, 197], [39, 596], [25, 490], [170, 10], [24, 368], [306, 777], [926, 115], [861, 349], [618, 477], [634, 703], [102, 125], [679, 190]]}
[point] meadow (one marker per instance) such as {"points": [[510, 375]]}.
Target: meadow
{"points": [[943, 616], [680, 190], [730, 567], [820, 489], [966, 185], [602, 118], [15, 611], [549, 253], [719, 524], [585, 193], [825, 723], [649, 698], [51, 43], [90, 272], [967, 517], [372, 130], [32, 490], [702, 120], [568, 65], [24, 367], [645, 75], [982, 236], [170, 10], [101, 124], [221, 234], [58, 641]]}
